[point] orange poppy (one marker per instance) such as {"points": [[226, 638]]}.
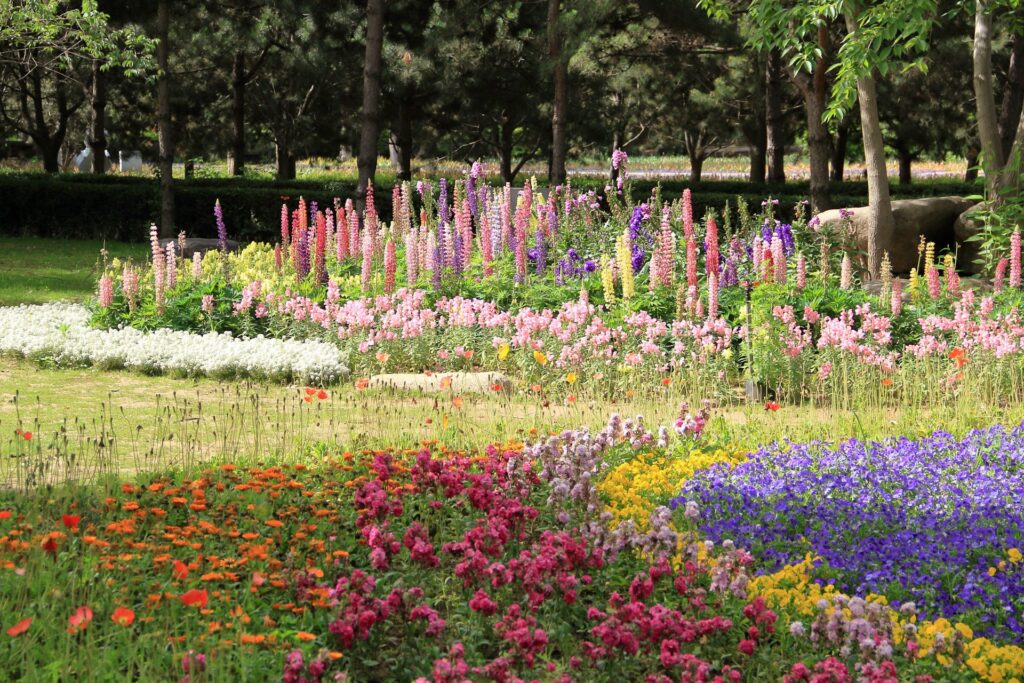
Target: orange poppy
{"points": [[571, 398], [305, 635], [79, 620], [123, 616], [195, 597], [362, 383], [446, 382], [19, 628], [457, 401], [887, 382]]}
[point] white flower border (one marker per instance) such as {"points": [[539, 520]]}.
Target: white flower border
{"points": [[60, 333]]}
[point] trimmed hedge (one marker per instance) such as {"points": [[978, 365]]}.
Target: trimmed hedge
{"points": [[121, 208]]}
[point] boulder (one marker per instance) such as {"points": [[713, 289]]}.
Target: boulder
{"points": [[968, 225], [461, 382], [200, 245], [931, 217]]}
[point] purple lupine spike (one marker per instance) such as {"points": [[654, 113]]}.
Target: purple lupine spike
{"points": [[471, 194], [442, 202], [222, 231], [540, 252]]}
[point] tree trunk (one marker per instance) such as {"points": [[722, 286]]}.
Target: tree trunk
{"points": [[838, 162], [238, 115], [758, 167], [560, 108], [163, 117], [285, 164], [505, 135], [97, 136], [775, 136], [905, 159], [403, 139], [971, 174], [51, 157], [1013, 96], [984, 93], [696, 166], [367, 161], [882, 224], [818, 151]]}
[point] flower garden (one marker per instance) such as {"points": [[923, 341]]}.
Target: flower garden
{"points": [[635, 551]]}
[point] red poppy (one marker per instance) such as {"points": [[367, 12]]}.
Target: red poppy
{"points": [[571, 398], [887, 382], [322, 395], [179, 570], [772, 406], [79, 620], [19, 628], [5, 514], [195, 597], [27, 436], [310, 391], [307, 399], [362, 383], [666, 381], [496, 386], [123, 616], [71, 521], [959, 356], [50, 544]]}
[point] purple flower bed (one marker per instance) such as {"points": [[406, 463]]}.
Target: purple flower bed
{"points": [[931, 521]]}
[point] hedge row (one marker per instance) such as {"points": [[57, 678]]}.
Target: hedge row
{"points": [[121, 208]]}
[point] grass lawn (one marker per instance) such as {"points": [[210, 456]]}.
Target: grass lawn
{"points": [[86, 422], [34, 270]]}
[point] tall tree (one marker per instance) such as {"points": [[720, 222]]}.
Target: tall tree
{"points": [[97, 126], [49, 53], [367, 162], [163, 119], [775, 134], [883, 224], [560, 102]]}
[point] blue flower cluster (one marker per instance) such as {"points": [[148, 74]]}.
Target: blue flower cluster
{"points": [[937, 521]]}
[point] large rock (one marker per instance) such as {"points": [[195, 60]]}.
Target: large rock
{"points": [[456, 382], [200, 245], [968, 224], [932, 217]]}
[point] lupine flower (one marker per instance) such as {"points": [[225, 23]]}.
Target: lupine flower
{"points": [[934, 285], [1015, 259], [801, 272], [896, 304], [172, 267], [1000, 277], [285, 227], [222, 231], [712, 258], [846, 273], [106, 291], [367, 260], [389, 266], [411, 258], [687, 214], [607, 280]]}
